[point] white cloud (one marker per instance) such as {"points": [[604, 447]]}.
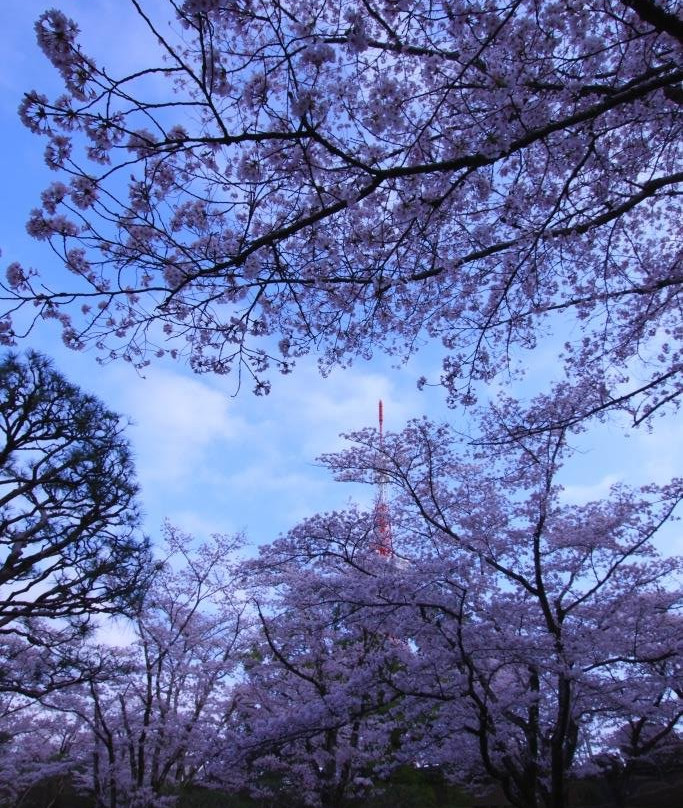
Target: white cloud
{"points": [[176, 419], [659, 452], [116, 632], [196, 522], [577, 494]]}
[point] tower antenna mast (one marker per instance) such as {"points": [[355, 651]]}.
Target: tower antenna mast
{"points": [[384, 543]]}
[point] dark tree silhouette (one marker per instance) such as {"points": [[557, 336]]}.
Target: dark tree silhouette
{"points": [[69, 539]]}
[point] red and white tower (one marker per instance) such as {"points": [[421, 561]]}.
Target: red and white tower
{"points": [[383, 541]]}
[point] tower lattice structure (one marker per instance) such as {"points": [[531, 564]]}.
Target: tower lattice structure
{"points": [[382, 520]]}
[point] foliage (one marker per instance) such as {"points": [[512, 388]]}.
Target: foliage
{"points": [[154, 723], [341, 176], [534, 625], [512, 639], [315, 723], [69, 540], [352, 175], [35, 755]]}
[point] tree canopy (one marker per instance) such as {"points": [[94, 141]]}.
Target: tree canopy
{"points": [[277, 178], [69, 522], [511, 638], [351, 176]]}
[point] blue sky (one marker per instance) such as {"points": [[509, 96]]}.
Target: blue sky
{"points": [[211, 462]]}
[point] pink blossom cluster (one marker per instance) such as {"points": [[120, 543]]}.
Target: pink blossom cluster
{"points": [[375, 181], [322, 666], [57, 35]]}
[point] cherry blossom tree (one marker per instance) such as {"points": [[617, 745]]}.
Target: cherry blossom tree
{"points": [[154, 723], [369, 174], [315, 721], [40, 657], [35, 748], [536, 625], [510, 637], [69, 540], [640, 752]]}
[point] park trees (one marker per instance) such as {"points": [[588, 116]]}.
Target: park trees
{"points": [[347, 176], [69, 541], [36, 752], [510, 637], [535, 625], [154, 722], [316, 723]]}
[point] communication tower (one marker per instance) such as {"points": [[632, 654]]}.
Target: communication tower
{"points": [[383, 540]]}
